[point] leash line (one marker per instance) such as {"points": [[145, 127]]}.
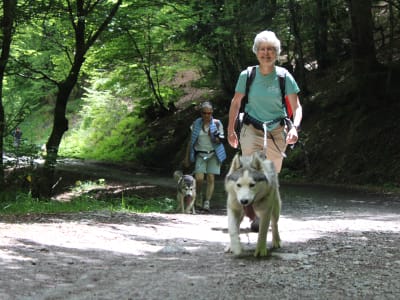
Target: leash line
{"points": [[265, 129]]}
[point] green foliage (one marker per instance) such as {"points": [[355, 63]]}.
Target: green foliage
{"points": [[22, 204], [130, 74], [141, 205], [105, 130]]}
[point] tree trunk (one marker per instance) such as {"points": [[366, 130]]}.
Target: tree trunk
{"points": [[43, 184], [7, 31], [300, 70], [367, 72], [363, 48], [321, 34]]}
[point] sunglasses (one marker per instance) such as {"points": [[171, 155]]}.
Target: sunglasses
{"points": [[206, 113]]}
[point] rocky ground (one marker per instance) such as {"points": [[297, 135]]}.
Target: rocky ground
{"points": [[335, 246]]}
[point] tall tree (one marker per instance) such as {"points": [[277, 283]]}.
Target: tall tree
{"points": [[225, 30], [367, 72], [7, 22], [82, 16], [294, 10], [321, 34], [363, 47]]}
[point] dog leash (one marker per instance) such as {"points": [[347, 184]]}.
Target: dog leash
{"points": [[265, 129]]}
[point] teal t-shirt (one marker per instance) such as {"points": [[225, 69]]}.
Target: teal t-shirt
{"points": [[265, 100]]}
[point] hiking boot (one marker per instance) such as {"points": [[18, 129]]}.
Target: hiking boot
{"points": [[206, 205], [254, 225]]}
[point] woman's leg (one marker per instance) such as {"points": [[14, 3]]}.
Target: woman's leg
{"points": [[199, 188], [209, 190]]}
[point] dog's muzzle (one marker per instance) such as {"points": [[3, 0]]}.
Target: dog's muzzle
{"points": [[245, 202]]}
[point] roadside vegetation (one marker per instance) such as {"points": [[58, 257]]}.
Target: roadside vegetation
{"points": [[21, 203]]}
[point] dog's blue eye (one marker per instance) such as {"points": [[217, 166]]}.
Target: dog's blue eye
{"points": [[252, 184], [239, 185]]}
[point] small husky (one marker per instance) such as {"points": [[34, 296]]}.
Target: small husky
{"points": [[186, 192], [252, 180]]}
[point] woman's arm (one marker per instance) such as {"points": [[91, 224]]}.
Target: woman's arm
{"points": [[233, 113], [292, 135]]}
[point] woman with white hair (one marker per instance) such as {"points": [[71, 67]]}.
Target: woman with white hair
{"points": [[263, 124]]}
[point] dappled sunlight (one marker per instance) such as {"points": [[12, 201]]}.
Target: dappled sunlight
{"points": [[301, 230], [186, 233], [135, 239], [60, 255]]}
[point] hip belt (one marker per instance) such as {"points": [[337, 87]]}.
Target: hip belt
{"points": [[205, 152], [247, 119]]}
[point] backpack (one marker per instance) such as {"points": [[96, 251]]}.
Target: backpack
{"points": [[285, 99], [251, 73]]}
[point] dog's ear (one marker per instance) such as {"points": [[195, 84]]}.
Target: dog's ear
{"points": [[256, 162], [235, 164], [178, 175]]}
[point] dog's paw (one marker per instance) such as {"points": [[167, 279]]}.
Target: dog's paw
{"points": [[276, 244], [236, 250], [227, 249], [261, 251]]}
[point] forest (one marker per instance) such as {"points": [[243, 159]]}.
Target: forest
{"points": [[120, 81]]}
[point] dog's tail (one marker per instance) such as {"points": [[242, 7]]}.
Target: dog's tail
{"points": [[178, 175]]}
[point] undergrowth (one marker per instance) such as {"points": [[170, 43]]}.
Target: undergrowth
{"points": [[20, 203]]}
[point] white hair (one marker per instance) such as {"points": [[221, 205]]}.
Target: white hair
{"points": [[206, 104], [267, 36]]}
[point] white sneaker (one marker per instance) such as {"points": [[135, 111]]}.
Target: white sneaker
{"points": [[206, 205]]}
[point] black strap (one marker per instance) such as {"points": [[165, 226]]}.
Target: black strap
{"points": [[205, 152], [282, 79], [282, 82], [251, 73]]}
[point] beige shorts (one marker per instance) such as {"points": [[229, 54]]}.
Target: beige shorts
{"points": [[252, 140], [207, 164]]}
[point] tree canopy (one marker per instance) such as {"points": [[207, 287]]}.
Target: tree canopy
{"points": [[111, 66]]}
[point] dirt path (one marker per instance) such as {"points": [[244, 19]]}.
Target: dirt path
{"points": [[108, 255], [335, 246]]}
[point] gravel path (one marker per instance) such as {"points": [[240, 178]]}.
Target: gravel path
{"points": [[329, 251]]}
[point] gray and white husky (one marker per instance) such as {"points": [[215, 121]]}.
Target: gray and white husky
{"points": [[186, 192], [252, 180]]}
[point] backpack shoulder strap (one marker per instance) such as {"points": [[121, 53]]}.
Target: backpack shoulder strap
{"points": [[282, 79], [281, 72], [251, 73]]}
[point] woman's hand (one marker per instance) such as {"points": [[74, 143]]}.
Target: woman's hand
{"points": [[233, 139], [292, 136]]}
